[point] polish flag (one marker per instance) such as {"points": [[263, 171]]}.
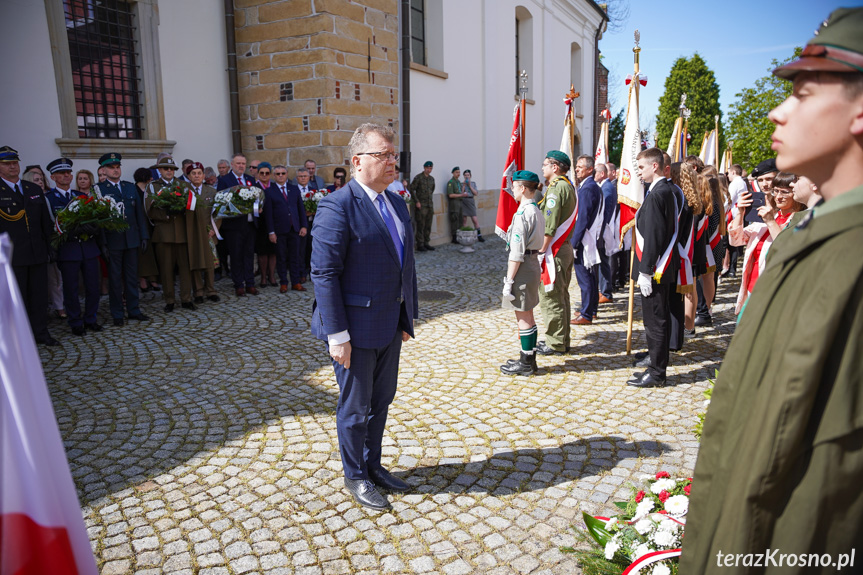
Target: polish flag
{"points": [[41, 527], [506, 205]]}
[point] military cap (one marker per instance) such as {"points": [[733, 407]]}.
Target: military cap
{"points": [[166, 162], [110, 159], [194, 166], [525, 176], [8, 154], [559, 156], [836, 47], [60, 165], [428, 165], [455, 169], [764, 167]]}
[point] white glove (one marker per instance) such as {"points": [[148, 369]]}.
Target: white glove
{"points": [[507, 289], [645, 284], [540, 256]]}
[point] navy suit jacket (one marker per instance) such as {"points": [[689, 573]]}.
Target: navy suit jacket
{"points": [[133, 208], [589, 198], [284, 215], [72, 249], [229, 180], [609, 192], [360, 284]]}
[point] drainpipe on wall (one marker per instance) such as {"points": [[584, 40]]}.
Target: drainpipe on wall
{"points": [[233, 85], [405, 53]]}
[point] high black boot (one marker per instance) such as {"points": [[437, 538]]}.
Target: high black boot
{"points": [[526, 365]]}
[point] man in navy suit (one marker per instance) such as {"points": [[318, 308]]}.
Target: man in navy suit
{"points": [[609, 199], [239, 232], [286, 221], [365, 304], [584, 242], [123, 246], [75, 255]]}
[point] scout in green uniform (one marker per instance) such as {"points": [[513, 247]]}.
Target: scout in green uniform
{"points": [[557, 206], [781, 459], [454, 193], [521, 284], [422, 189]]}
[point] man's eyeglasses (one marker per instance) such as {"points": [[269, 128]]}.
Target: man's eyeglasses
{"points": [[281, 173], [385, 156]]}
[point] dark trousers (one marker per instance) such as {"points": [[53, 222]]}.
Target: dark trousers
{"points": [[203, 282], [657, 323], [677, 310], [288, 257], [701, 309], [241, 249], [173, 257], [589, 295], [222, 252], [604, 282], [736, 252], [123, 279], [620, 268], [33, 285], [365, 393], [92, 273]]}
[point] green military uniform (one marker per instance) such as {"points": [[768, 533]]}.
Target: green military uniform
{"points": [[422, 188], [557, 206], [170, 241], [454, 187]]}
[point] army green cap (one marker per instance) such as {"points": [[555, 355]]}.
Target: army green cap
{"points": [[837, 46], [525, 176], [428, 165], [455, 169], [559, 156]]}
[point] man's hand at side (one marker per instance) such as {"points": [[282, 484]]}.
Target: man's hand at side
{"points": [[341, 352], [405, 336]]}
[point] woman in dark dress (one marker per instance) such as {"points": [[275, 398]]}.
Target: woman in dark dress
{"points": [[265, 249]]}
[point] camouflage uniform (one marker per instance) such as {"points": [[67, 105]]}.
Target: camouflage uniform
{"points": [[422, 189]]}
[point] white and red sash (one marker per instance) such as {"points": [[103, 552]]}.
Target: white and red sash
{"points": [[548, 272], [665, 258], [685, 279]]}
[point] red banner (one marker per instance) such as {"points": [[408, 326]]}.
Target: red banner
{"points": [[506, 205]]}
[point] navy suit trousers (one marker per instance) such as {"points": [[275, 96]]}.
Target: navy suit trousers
{"points": [[365, 393], [123, 281], [240, 238], [288, 257], [605, 281], [589, 295], [33, 285], [89, 268]]}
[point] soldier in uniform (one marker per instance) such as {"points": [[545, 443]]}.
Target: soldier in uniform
{"points": [[199, 223], [558, 206], [24, 216], [422, 189], [75, 255], [123, 246], [170, 238], [454, 193]]}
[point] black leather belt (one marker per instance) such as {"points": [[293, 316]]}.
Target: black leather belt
{"points": [[531, 252]]}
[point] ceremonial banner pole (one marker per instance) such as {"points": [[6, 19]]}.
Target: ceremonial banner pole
{"points": [[522, 89], [633, 86], [716, 142]]}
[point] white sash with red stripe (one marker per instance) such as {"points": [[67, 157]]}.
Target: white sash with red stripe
{"points": [[685, 277], [548, 272], [665, 259]]}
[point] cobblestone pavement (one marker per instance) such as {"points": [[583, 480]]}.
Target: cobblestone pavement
{"points": [[205, 441]]}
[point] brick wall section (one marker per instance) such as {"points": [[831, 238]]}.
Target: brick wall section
{"points": [[310, 72]]}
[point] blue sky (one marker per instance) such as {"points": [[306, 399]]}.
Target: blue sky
{"points": [[738, 39]]}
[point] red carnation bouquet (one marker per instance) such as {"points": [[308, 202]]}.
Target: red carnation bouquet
{"points": [[173, 198], [84, 216]]}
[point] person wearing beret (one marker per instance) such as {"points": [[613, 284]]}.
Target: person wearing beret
{"points": [[170, 238], [454, 194], [24, 216], [123, 246], [199, 223], [559, 207], [75, 256], [422, 188], [781, 454]]}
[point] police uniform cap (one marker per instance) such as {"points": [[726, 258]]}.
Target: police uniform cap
{"points": [[110, 159], [428, 165], [525, 176], [559, 156], [837, 46], [765, 167], [60, 165], [8, 154]]}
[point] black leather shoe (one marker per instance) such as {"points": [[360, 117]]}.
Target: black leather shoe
{"points": [[93, 326], [543, 348], [139, 317], [429, 248], [526, 365], [646, 380], [119, 322], [199, 299], [703, 321], [421, 248], [188, 305], [644, 362], [641, 355], [386, 480], [213, 298], [365, 493], [78, 329], [48, 340], [169, 307]]}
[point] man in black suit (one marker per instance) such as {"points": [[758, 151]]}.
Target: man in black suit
{"points": [[656, 263], [24, 216], [286, 221], [239, 232]]}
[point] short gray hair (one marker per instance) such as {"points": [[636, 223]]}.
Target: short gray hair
{"points": [[223, 162], [589, 162], [600, 169], [302, 171], [359, 142]]}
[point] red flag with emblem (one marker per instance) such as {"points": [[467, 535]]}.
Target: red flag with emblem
{"points": [[506, 205]]}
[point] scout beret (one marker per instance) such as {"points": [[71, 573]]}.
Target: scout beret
{"points": [[166, 162], [428, 165], [559, 156], [110, 158], [836, 47], [764, 167], [455, 169], [525, 176], [8, 154], [60, 165], [266, 165], [194, 166]]}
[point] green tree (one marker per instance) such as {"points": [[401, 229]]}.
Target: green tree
{"points": [[748, 126], [615, 138], [693, 78]]}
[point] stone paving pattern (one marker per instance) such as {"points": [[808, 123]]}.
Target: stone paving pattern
{"points": [[205, 441]]}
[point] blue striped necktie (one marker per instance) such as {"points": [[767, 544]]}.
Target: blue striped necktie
{"points": [[391, 226]]}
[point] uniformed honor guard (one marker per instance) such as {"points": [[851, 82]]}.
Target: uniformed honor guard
{"points": [[521, 284], [170, 237], [76, 255], [123, 246], [200, 224], [422, 188], [455, 195], [24, 216], [558, 207]]}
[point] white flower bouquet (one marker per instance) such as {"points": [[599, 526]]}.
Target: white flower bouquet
{"points": [[238, 201]]}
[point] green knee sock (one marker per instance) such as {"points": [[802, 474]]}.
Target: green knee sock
{"points": [[528, 339]]}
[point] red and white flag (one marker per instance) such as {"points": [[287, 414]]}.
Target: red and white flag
{"points": [[506, 205], [41, 526], [630, 189]]}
